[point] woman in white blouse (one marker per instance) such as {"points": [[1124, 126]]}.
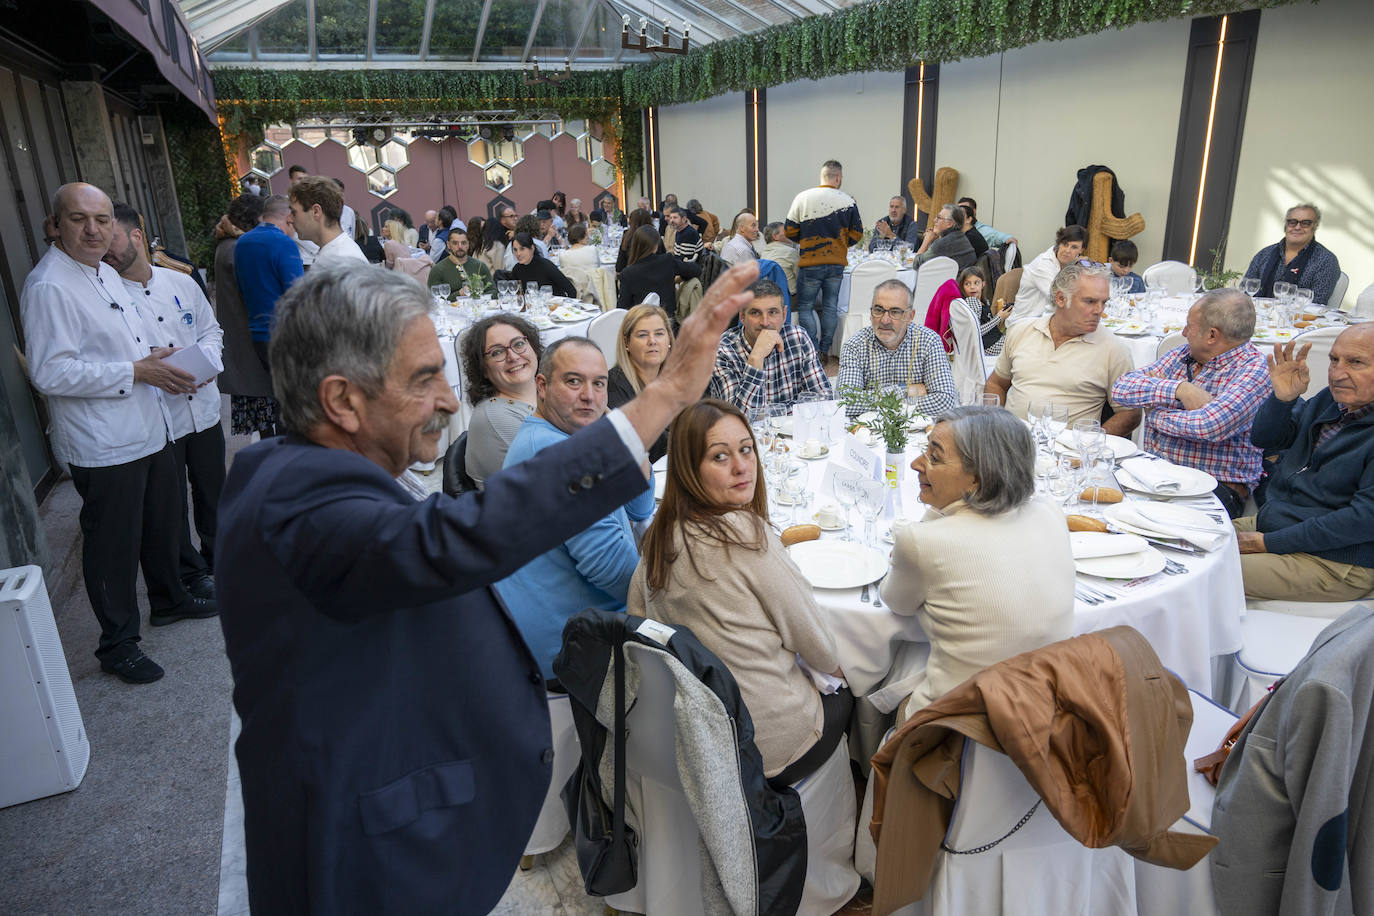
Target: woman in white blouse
{"points": [[988, 572], [1033, 298]]}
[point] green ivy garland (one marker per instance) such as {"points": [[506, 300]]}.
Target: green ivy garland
{"points": [[203, 187]]}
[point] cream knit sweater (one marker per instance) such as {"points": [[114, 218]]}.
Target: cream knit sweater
{"points": [[755, 611], [983, 589]]}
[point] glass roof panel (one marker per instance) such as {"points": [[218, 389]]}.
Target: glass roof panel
{"points": [[508, 28], [285, 31], [602, 40], [399, 26], [341, 27], [455, 28]]}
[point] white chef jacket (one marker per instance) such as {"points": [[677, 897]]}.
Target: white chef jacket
{"points": [[84, 333], [181, 316]]}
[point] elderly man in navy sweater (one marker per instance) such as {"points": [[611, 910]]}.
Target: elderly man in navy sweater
{"points": [[1313, 539]]}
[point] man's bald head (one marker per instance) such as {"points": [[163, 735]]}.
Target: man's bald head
{"points": [[83, 218]]}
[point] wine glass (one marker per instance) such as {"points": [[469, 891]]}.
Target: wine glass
{"points": [[825, 413], [777, 419], [1282, 289], [991, 400], [440, 291], [1303, 297], [845, 485], [1199, 282], [872, 496], [1063, 482], [1083, 432], [1056, 419], [546, 293], [807, 410]]}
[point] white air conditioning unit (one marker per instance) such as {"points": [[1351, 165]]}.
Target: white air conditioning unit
{"points": [[44, 750]]}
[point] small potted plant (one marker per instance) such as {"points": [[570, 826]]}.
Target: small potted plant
{"points": [[891, 425]]}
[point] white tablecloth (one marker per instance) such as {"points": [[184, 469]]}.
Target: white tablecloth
{"points": [[1188, 619]]}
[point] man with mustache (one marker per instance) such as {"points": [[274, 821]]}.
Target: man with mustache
{"points": [[396, 748], [1313, 538]]}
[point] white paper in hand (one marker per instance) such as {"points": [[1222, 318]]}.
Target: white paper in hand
{"points": [[198, 362]]}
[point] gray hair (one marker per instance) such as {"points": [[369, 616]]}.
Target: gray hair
{"points": [[276, 206], [1316, 213], [1230, 311], [894, 284], [996, 448], [546, 361], [345, 320], [773, 232], [1067, 280], [953, 213]]}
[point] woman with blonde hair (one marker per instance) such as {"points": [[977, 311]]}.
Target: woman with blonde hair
{"points": [[394, 245], [646, 336], [711, 562]]}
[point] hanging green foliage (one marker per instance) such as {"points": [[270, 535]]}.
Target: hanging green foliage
{"points": [[203, 186]]}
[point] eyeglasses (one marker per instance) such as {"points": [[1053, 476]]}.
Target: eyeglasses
{"points": [[518, 346], [1305, 223], [895, 314]]}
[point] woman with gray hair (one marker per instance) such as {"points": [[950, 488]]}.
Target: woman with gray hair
{"points": [[988, 572]]}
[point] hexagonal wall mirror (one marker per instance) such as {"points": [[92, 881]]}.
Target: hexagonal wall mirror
{"points": [[575, 128], [603, 173], [279, 134], [381, 181], [312, 133], [480, 152], [362, 156], [498, 176], [394, 154], [340, 134], [266, 159]]}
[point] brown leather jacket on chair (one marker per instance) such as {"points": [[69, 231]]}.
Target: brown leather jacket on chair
{"points": [[712, 227], [1096, 724]]}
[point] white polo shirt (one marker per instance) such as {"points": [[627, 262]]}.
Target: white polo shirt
{"points": [[83, 333], [180, 316], [340, 250]]}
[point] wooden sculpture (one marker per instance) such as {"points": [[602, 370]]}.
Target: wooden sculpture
{"points": [[1102, 226], [946, 183]]}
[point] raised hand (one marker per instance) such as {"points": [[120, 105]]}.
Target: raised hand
{"points": [[1288, 373]]}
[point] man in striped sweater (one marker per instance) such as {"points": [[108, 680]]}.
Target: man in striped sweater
{"points": [[824, 221]]}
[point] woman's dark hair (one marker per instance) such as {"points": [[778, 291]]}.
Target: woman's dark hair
{"points": [[245, 210], [643, 244], [560, 202], [527, 241], [447, 215], [493, 232], [685, 502], [529, 224], [576, 234], [474, 349], [1070, 234], [640, 217], [476, 226], [403, 216]]}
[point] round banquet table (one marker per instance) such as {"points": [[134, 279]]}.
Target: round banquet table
{"points": [[1190, 619]]}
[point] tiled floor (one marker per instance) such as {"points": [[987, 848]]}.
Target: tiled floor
{"points": [[553, 886]]}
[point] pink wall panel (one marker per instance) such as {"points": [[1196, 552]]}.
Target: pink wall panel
{"points": [[440, 173]]}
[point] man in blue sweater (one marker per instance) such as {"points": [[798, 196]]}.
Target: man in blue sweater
{"points": [[266, 261], [1313, 539], [591, 569]]}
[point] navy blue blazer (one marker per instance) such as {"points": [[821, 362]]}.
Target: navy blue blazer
{"points": [[396, 747]]}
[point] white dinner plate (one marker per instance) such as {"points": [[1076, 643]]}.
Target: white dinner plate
{"points": [[838, 564], [1120, 447], [1194, 482], [1128, 329], [1123, 566], [1169, 515]]}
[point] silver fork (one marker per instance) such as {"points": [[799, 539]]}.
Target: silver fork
{"points": [[863, 596], [877, 593]]}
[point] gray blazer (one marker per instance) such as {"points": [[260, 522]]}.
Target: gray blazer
{"points": [[1290, 842]]}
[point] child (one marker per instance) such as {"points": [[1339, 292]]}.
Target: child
{"points": [[1122, 259], [973, 286]]}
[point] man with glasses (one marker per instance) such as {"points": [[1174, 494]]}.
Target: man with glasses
{"points": [[945, 238], [895, 352], [764, 360], [1298, 259]]}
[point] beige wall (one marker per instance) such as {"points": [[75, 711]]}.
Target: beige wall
{"points": [[1309, 135], [856, 119], [1019, 126], [701, 153]]}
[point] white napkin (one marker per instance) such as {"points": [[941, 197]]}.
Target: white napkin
{"points": [[1157, 476], [1088, 544], [1147, 517]]}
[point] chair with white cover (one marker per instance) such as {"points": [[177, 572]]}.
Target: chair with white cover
{"points": [[1364, 303], [1033, 868], [1321, 340], [1272, 644], [1009, 258], [552, 825], [1338, 291], [1164, 891], [929, 278], [1168, 343], [1175, 276], [970, 373], [862, 282], [669, 845], [581, 279], [604, 329]]}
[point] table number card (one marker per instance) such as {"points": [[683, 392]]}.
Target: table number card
{"points": [[862, 457]]}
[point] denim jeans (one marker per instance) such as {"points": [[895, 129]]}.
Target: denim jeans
{"points": [[820, 283]]}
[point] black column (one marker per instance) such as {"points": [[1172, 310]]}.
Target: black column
{"points": [[919, 99], [756, 152]]}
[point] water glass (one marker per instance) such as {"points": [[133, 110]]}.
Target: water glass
{"points": [[1250, 286], [845, 485], [440, 291], [1303, 297], [991, 400], [546, 293], [872, 496], [1084, 433]]}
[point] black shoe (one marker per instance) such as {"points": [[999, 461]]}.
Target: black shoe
{"points": [[190, 609], [201, 586], [134, 668]]}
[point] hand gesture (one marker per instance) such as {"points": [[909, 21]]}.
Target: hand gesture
{"points": [[1288, 372], [884, 228], [151, 370], [767, 341]]}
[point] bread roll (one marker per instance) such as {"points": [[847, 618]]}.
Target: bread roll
{"points": [[1085, 523], [1104, 495], [798, 533]]}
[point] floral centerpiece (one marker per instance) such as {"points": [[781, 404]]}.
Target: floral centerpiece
{"points": [[893, 421]]}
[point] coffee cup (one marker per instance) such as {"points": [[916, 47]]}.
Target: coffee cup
{"points": [[811, 448], [828, 516]]}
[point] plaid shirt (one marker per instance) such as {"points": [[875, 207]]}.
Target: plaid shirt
{"points": [[1216, 437], [1347, 416], [784, 376], [919, 357]]}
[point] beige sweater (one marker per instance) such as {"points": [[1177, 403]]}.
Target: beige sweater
{"points": [[755, 611], [983, 589]]}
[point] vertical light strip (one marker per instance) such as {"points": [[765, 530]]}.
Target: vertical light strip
{"points": [[653, 161], [757, 207], [1207, 144], [920, 119]]}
